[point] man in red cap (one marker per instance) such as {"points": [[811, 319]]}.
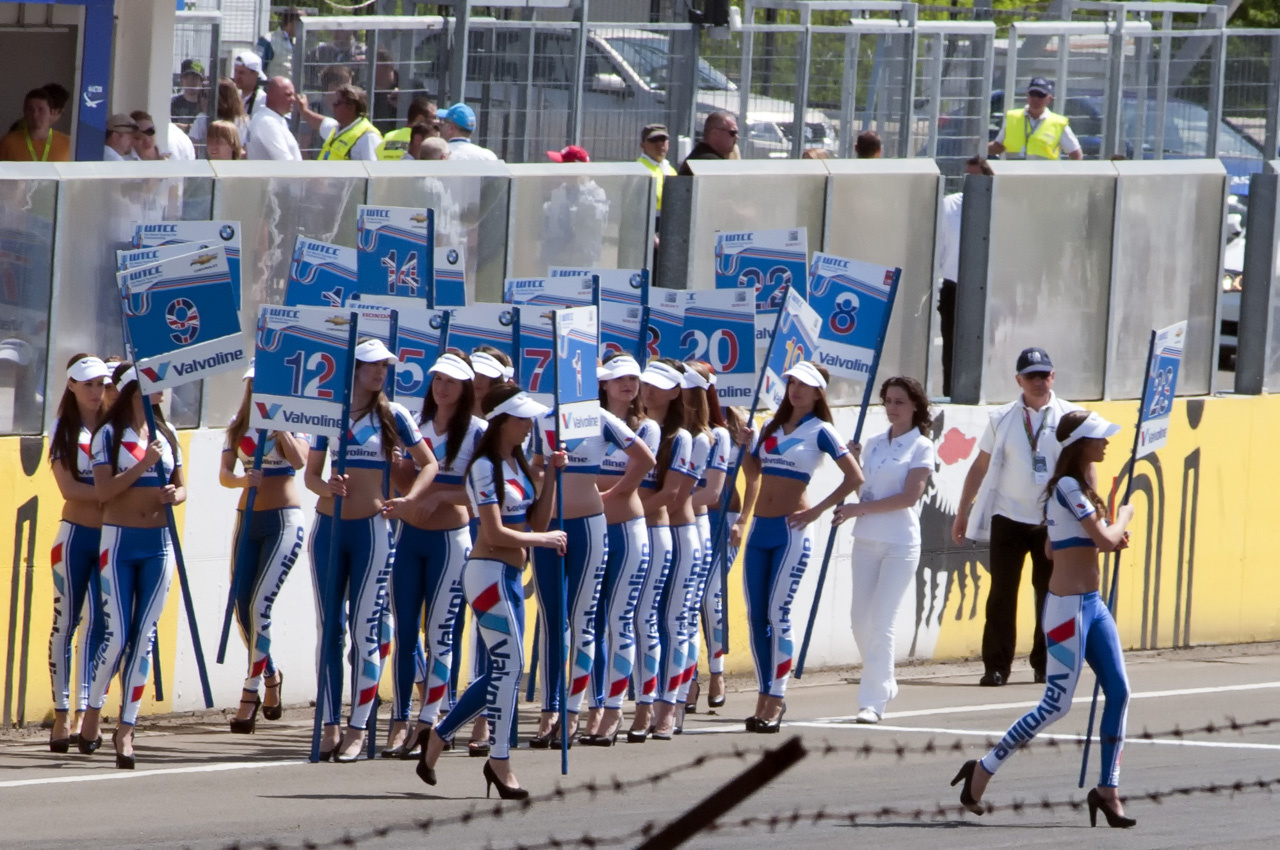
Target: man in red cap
{"points": [[572, 153]]}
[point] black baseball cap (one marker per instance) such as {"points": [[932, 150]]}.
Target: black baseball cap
{"points": [[1034, 360], [654, 132], [1039, 85]]}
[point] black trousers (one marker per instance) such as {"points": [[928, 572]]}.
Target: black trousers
{"points": [[1011, 542], [947, 323]]}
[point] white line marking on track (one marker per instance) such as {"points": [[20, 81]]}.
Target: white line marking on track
{"points": [[104, 775], [995, 736], [1003, 706]]}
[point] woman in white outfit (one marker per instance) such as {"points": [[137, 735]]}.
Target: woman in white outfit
{"points": [[886, 548]]}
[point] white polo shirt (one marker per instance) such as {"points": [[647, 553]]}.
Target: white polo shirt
{"points": [[465, 149], [885, 463], [270, 138], [1017, 494], [949, 237]]}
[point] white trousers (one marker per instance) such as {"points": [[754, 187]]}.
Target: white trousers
{"points": [[882, 575]]}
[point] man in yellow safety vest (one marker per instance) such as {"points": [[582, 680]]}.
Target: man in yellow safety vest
{"points": [[348, 134], [1036, 132], [655, 141], [421, 111]]}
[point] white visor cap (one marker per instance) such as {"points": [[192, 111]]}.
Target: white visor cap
{"points": [[373, 351], [618, 367], [453, 366], [662, 376], [520, 406], [483, 363], [88, 369], [693, 380], [1092, 428], [806, 373], [130, 375]]}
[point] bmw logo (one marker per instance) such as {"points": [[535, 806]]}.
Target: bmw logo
{"points": [[452, 256], [436, 322], [635, 281], [227, 233], [505, 318]]}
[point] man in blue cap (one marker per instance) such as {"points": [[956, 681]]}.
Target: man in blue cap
{"points": [[1036, 132], [457, 123]]}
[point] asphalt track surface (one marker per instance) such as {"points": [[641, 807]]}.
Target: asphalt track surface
{"points": [[198, 786]]}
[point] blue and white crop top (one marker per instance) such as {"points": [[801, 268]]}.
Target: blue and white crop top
{"points": [[586, 454], [83, 464], [132, 451], [615, 459], [720, 454], [1064, 512], [699, 457], [438, 445], [273, 462], [364, 439], [681, 457], [517, 495], [798, 454]]}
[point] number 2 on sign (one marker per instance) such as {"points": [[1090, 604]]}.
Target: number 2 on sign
{"points": [[1161, 385], [318, 360]]}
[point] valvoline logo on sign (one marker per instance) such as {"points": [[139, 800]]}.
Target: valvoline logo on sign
{"points": [[156, 373], [267, 411]]}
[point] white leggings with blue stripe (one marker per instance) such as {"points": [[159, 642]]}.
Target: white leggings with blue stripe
{"points": [[624, 579], [77, 603], [675, 608], [646, 671]]}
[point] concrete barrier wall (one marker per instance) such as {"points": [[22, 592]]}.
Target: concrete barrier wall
{"points": [[1200, 570]]}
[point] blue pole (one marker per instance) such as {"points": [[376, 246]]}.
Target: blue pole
{"points": [[857, 438], [242, 550], [1115, 567], [371, 738], [564, 578], [331, 603]]}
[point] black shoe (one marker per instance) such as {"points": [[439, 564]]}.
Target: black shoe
{"points": [[409, 749], [543, 742], [246, 726], [1115, 821], [60, 745], [966, 797], [691, 701], [752, 723], [478, 749], [605, 740], [992, 679], [506, 792], [87, 747], [122, 762], [774, 727], [426, 774], [715, 702], [327, 755], [1039, 677], [275, 712], [634, 737]]}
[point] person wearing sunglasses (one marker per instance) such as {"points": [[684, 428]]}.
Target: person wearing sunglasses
{"points": [[144, 136], [719, 138], [1036, 132]]}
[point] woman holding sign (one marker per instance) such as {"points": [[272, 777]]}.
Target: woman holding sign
{"points": [[886, 547], [1077, 625], [584, 565], [628, 559], [275, 539], [432, 547], [500, 484], [135, 475], [723, 551], [75, 549], [665, 495], [362, 561], [779, 468]]}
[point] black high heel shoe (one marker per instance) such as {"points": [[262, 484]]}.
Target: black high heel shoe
{"points": [[966, 795], [87, 747], [409, 748], [123, 762], [425, 773], [691, 701], [634, 737], [605, 740], [772, 727], [246, 727], [752, 723], [59, 745], [477, 749], [543, 742], [1114, 820], [505, 791], [275, 712]]}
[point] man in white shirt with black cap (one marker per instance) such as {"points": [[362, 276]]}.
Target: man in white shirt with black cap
{"points": [[1003, 502]]}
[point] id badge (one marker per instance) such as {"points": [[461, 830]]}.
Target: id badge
{"points": [[1040, 466]]}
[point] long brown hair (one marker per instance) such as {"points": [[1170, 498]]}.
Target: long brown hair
{"points": [[635, 410], [64, 442], [380, 405], [460, 421], [920, 417], [783, 414], [239, 425], [670, 425], [120, 416], [230, 106], [1071, 462], [490, 442], [697, 413]]}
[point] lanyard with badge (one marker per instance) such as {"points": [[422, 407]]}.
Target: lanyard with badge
{"points": [[48, 143], [1039, 463]]}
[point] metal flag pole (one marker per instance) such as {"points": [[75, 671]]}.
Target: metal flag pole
{"points": [[563, 694], [857, 438], [239, 565], [389, 387], [1115, 566], [333, 605]]}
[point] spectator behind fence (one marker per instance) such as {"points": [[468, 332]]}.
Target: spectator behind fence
{"points": [[572, 153], [269, 134], [949, 265], [178, 146], [655, 142], [422, 110], [386, 92], [815, 153], [341, 49], [719, 140], [432, 148], [868, 145], [190, 103], [59, 97], [229, 108], [1036, 132], [223, 141], [249, 79], [144, 136], [36, 140], [349, 134], [119, 147], [457, 123], [281, 43]]}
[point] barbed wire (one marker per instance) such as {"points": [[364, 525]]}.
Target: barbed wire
{"points": [[825, 749]]}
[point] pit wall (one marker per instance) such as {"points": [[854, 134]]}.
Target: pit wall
{"points": [[1200, 568]]}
